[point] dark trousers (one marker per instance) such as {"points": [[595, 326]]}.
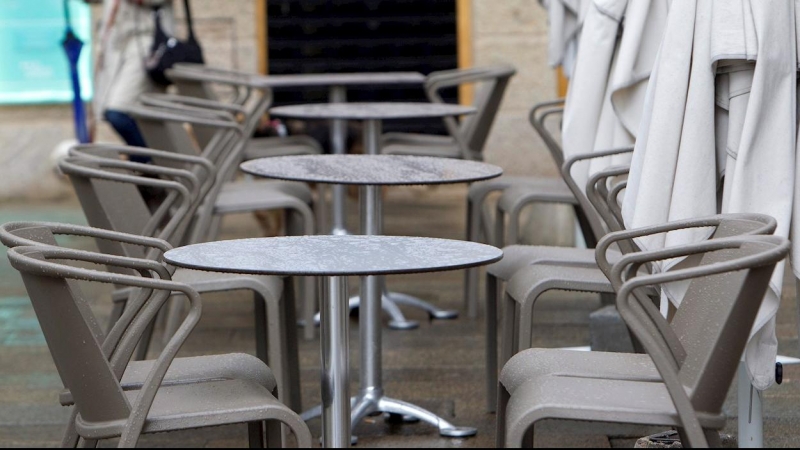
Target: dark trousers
{"points": [[126, 127]]}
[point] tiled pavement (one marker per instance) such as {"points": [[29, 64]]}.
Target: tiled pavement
{"points": [[438, 366]]}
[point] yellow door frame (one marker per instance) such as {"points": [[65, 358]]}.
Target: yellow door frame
{"points": [[261, 36]]}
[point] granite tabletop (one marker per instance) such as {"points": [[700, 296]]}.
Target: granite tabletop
{"points": [[383, 170], [333, 255], [198, 72], [372, 110]]}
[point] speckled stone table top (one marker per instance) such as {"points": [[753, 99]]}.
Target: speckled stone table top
{"points": [[373, 170], [367, 111], [333, 255], [199, 72]]}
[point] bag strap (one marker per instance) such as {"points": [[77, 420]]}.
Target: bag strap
{"points": [[189, 21]]}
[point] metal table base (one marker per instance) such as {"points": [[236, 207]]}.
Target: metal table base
{"points": [[397, 320], [371, 399], [390, 300]]}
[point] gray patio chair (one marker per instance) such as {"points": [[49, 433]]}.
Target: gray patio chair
{"points": [[695, 357], [252, 101], [517, 257], [92, 373], [107, 188], [532, 270], [237, 366], [480, 223], [224, 142], [468, 137]]}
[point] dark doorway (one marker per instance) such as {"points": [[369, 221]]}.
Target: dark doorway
{"points": [[336, 36]]}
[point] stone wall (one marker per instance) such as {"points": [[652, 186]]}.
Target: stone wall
{"points": [[515, 32]]}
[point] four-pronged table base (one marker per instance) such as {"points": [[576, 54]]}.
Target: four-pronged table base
{"points": [[372, 403], [397, 320]]}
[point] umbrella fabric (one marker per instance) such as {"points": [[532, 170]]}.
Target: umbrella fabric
{"points": [[565, 18], [719, 134], [618, 46]]}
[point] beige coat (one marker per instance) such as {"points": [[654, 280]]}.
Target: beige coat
{"points": [[125, 37]]}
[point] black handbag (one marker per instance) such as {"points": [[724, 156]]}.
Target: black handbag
{"points": [[168, 50]]}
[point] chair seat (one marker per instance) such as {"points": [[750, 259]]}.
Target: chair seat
{"points": [[204, 281], [599, 400], [281, 146], [536, 362], [530, 281], [188, 406], [481, 189], [190, 370], [515, 257], [415, 139], [439, 150], [520, 195], [246, 196]]}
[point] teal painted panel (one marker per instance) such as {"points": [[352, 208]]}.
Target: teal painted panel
{"points": [[33, 66]]}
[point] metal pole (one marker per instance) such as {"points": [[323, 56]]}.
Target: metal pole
{"points": [[338, 94], [372, 136], [335, 365], [371, 297], [751, 412]]}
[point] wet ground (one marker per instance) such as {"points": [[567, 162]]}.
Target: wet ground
{"points": [[438, 366]]}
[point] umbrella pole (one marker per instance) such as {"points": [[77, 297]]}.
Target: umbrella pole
{"points": [[751, 412]]}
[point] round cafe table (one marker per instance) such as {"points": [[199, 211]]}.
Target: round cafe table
{"points": [[370, 172], [336, 258], [372, 115], [337, 84]]}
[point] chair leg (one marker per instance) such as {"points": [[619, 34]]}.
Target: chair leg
{"points": [[513, 226], [502, 403], [712, 436], [140, 354], [71, 438], [498, 238], [291, 363], [275, 434], [508, 330], [176, 309], [527, 438], [255, 434], [471, 275], [298, 223], [309, 295], [116, 312], [491, 342], [260, 315]]}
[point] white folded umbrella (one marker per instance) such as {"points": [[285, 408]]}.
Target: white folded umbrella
{"points": [[617, 50], [565, 18], [719, 134]]}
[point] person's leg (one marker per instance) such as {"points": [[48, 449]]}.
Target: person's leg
{"points": [[126, 127]]}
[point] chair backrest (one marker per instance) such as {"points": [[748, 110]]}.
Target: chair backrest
{"points": [[725, 292], [108, 190], [19, 234], [538, 118], [73, 343], [88, 370], [473, 131], [197, 81], [590, 219]]}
